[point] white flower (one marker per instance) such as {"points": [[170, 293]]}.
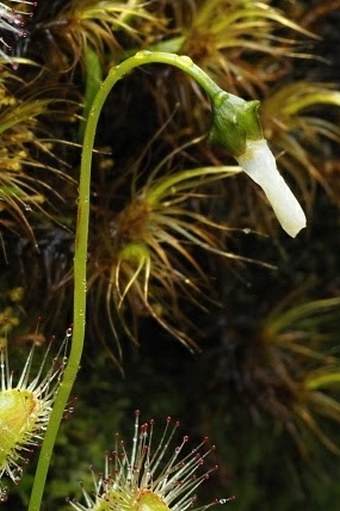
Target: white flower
{"points": [[259, 163]]}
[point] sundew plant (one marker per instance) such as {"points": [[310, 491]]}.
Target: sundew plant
{"points": [[166, 175]]}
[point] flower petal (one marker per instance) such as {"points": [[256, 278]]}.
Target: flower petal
{"points": [[259, 163]]}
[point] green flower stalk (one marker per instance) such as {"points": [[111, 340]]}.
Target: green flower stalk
{"points": [[240, 114], [150, 478], [25, 408]]}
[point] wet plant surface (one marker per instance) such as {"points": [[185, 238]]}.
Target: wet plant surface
{"points": [[199, 305]]}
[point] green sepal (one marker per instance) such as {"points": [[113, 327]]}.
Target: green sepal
{"points": [[234, 122]]}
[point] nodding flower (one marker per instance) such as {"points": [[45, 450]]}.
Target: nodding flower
{"points": [[25, 408], [259, 163], [237, 126], [150, 478]]}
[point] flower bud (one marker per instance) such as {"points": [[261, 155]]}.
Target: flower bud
{"points": [[259, 163], [237, 126]]}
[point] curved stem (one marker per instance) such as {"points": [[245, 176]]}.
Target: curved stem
{"points": [[80, 254]]}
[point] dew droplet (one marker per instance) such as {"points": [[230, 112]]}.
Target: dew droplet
{"points": [[3, 494], [186, 60], [69, 332], [142, 54], [225, 501]]}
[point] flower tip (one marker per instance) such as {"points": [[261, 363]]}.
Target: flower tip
{"points": [[299, 223], [259, 163]]}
